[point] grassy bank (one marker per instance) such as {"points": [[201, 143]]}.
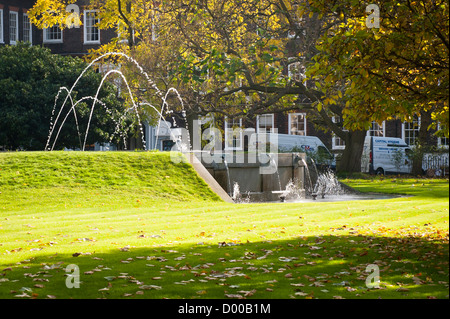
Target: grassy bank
{"points": [[138, 225]]}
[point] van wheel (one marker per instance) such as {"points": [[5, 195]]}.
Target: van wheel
{"points": [[380, 171]]}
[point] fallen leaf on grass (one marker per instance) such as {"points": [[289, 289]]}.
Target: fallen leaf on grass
{"points": [[248, 293], [149, 287], [301, 293]]}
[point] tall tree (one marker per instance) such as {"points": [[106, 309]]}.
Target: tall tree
{"points": [[231, 58], [390, 59], [30, 79]]}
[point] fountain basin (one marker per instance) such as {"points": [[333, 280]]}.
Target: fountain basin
{"points": [[259, 181]]}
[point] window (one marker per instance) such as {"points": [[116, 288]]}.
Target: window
{"points": [[265, 123], [337, 142], [53, 35], [442, 141], [1, 26], [13, 27], [91, 31], [296, 71], [411, 131], [297, 124], [27, 29], [376, 130], [233, 134]]}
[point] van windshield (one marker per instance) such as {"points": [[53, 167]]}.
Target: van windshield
{"points": [[324, 154]]}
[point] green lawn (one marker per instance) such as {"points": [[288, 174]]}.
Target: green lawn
{"points": [[138, 225]]}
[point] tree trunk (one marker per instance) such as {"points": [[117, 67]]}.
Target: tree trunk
{"points": [[421, 146], [351, 158]]}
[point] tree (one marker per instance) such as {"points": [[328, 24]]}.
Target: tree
{"points": [[30, 78], [396, 70], [231, 58]]}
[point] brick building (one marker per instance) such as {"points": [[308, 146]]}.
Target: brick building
{"points": [[76, 41]]}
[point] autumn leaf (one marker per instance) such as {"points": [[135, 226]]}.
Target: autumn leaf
{"points": [[234, 296]]}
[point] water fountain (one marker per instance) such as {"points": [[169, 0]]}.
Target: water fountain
{"points": [[275, 165], [261, 180], [238, 197], [135, 107], [290, 170], [228, 172], [308, 174]]}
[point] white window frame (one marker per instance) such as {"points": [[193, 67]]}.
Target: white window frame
{"points": [[440, 139], [442, 144], [405, 129], [381, 128], [26, 19], [239, 138], [47, 40], [290, 123], [1, 26], [336, 142], [295, 71], [273, 123], [15, 13], [85, 26]]}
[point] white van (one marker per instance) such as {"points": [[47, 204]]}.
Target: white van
{"points": [[383, 155], [311, 145]]}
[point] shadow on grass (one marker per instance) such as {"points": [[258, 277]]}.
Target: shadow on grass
{"points": [[322, 267]]}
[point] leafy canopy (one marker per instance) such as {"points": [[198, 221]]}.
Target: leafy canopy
{"points": [[394, 71], [232, 57], [30, 79]]}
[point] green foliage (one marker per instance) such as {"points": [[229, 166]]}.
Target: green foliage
{"points": [[394, 71], [30, 78]]}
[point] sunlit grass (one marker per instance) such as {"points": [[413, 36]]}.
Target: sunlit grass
{"points": [[135, 229]]}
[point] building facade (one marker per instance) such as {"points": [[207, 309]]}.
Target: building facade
{"points": [[298, 123], [77, 40]]}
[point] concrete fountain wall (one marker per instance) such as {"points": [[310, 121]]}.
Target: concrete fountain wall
{"points": [[260, 180]]}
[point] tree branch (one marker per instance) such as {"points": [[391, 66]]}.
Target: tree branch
{"points": [[127, 22]]}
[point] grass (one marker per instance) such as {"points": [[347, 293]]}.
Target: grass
{"points": [[138, 225]]}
